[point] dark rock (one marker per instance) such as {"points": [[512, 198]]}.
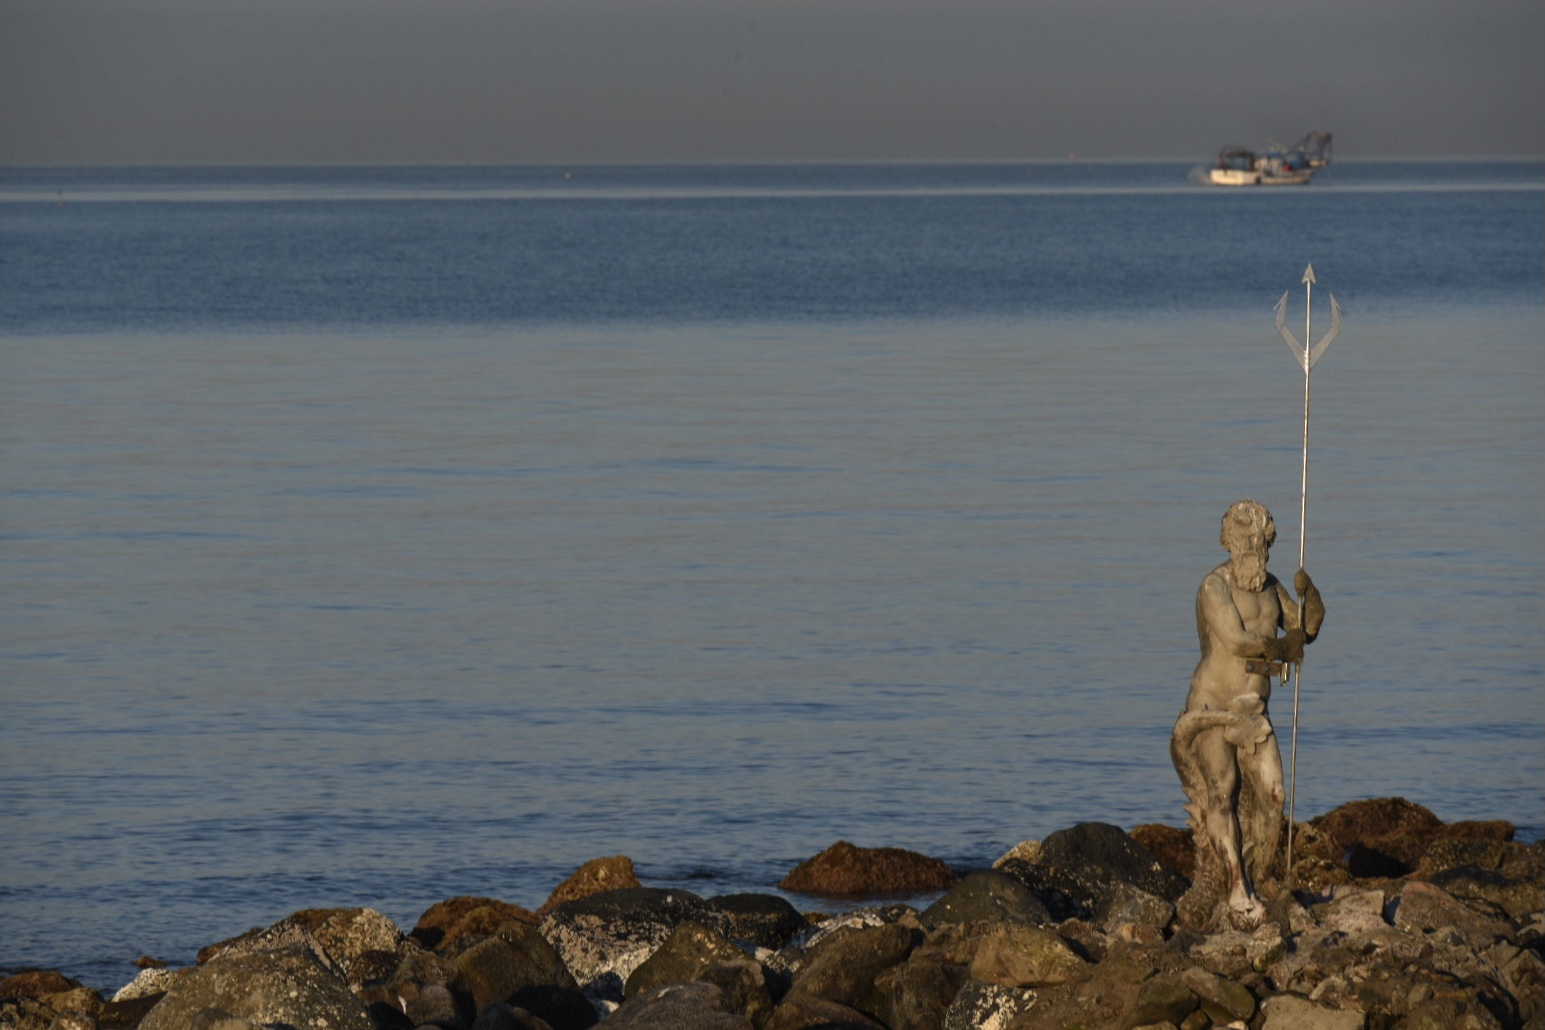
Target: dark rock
{"points": [[844, 869], [290, 985], [500, 1016], [597, 876], [1173, 846], [807, 1012], [293, 929], [520, 968], [844, 967], [1080, 864], [1162, 1001], [979, 1004], [1123, 903], [682, 1006], [1472, 829], [687, 952], [124, 1014], [427, 989], [987, 896], [361, 942], [1491, 892], [919, 992], [759, 920], [446, 922]]}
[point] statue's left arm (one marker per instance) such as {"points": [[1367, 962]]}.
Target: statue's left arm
{"points": [[1308, 612]]}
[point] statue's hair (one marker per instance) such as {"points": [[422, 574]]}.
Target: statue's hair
{"points": [[1245, 515]]}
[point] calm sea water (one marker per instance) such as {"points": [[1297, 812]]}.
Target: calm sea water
{"points": [[376, 535]]}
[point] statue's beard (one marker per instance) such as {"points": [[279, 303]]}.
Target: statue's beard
{"points": [[1248, 569]]}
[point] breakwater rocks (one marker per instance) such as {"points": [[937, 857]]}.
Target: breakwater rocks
{"points": [[1397, 921]]}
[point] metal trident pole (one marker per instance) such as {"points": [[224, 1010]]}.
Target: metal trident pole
{"points": [[1307, 356]]}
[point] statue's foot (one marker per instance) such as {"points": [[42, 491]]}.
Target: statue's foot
{"points": [[1246, 913]]}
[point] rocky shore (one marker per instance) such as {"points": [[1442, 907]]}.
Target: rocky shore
{"points": [[1396, 920]]}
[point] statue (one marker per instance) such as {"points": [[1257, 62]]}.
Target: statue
{"points": [[1223, 746]]}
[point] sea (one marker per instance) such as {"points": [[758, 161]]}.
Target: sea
{"points": [[375, 535]]}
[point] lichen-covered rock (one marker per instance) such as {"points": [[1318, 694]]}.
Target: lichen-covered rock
{"points": [[987, 1006], [847, 870], [1123, 904], [695, 953], [806, 1012], [1291, 1012], [290, 984], [597, 876], [1381, 836], [987, 896], [1421, 907], [603, 938], [1079, 865], [1171, 845], [155, 980]]}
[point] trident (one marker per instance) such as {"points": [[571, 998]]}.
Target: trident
{"points": [[1307, 356]]}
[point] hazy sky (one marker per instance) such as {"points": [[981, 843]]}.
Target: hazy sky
{"points": [[583, 80]]}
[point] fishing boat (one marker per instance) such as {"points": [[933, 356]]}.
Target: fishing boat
{"points": [[1275, 166]]}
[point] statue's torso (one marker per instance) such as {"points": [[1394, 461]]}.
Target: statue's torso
{"points": [[1221, 675]]}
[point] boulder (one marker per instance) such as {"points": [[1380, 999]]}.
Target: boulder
{"points": [[1162, 1000], [1019, 955], [844, 869], [364, 944], [987, 896], [603, 938], [446, 922], [1291, 1012], [694, 953], [682, 1006], [500, 1016], [1123, 904], [1421, 907], [290, 984], [759, 920], [425, 989], [1024, 851], [597, 876], [20, 1013], [1170, 845], [845, 966], [1224, 1001], [1080, 864], [154, 980], [1381, 837], [987, 1006], [920, 991], [1491, 892], [807, 1012], [520, 968], [292, 929]]}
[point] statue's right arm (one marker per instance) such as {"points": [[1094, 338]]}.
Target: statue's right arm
{"points": [[1216, 604]]}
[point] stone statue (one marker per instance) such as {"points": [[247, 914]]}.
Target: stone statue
{"points": [[1223, 746]]}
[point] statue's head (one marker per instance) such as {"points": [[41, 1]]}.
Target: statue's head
{"points": [[1248, 533]]}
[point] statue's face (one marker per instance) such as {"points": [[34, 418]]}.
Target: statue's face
{"points": [[1248, 533]]}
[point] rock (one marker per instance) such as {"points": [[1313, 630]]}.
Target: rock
{"points": [[21, 1013], [1489, 890], [921, 990], [361, 942], [1171, 845], [597, 876], [807, 1012], [682, 1006], [759, 920], [1080, 864], [603, 938], [987, 896], [35, 983], [1162, 1001], [695, 953], [1353, 912], [1223, 1000], [290, 984], [1290, 1012], [1124, 904], [845, 966], [987, 1006], [292, 929], [1421, 907], [844, 869], [1024, 851], [1381, 837], [446, 922], [424, 989], [1018, 955], [500, 1016], [152, 980]]}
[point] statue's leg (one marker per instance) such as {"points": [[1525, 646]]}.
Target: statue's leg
{"points": [[1216, 757], [1261, 800]]}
